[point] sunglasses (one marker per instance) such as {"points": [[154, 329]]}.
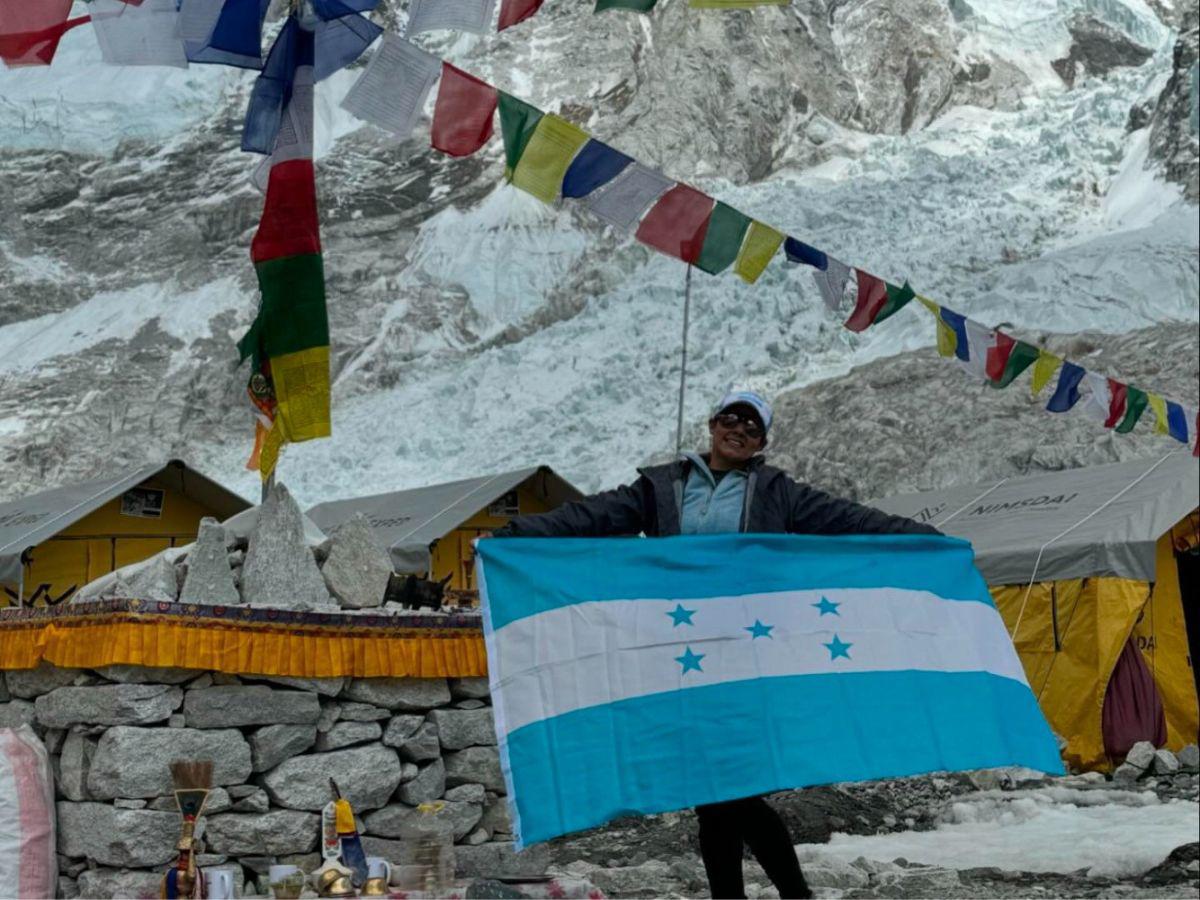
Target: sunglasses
{"points": [[750, 426]]}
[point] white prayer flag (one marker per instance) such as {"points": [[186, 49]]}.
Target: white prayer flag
{"points": [[391, 92], [453, 15], [980, 339], [146, 35], [295, 140], [627, 197], [831, 281]]}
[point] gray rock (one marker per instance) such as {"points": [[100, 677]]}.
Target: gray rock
{"points": [[177, 720], [280, 570], [1141, 755], [1165, 762], [469, 688], [68, 888], [116, 837], [921, 881], [401, 728], [154, 581], [258, 802], [5, 696], [347, 734], [29, 683], [73, 764], [147, 674], [330, 713], [461, 728], [478, 836], [469, 704], [133, 762], [405, 694], [833, 873], [272, 745], [357, 570], [1126, 773], [408, 771], [368, 776], [363, 712], [249, 704], [16, 713], [475, 765], [108, 704], [430, 784], [203, 681], [238, 791], [270, 834], [305, 862], [449, 819], [209, 578], [326, 687], [395, 852], [1189, 757], [501, 860], [97, 883], [423, 745], [495, 815], [468, 793], [121, 803]]}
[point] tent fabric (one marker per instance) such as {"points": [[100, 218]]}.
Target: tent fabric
{"points": [[1101, 520], [1133, 709], [407, 522], [27, 521]]}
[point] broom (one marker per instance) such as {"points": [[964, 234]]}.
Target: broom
{"points": [[352, 850], [192, 780]]}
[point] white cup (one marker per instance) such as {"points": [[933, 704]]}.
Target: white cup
{"points": [[378, 867], [280, 872], [218, 883]]}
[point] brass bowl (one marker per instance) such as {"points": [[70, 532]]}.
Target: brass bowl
{"points": [[375, 887], [332, 883]]}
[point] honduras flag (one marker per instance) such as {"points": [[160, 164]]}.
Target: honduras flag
{"points": [[633, 675]]}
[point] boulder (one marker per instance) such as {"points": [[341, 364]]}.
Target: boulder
{"points": [[1127, 773], [469, 704], [16, 713], [357, 570], [1165, 762], [468, 793], [362, 712], [833, 873], [1141, 755], [268, 834], [209, 578], [326, 687], [447, 819], [147, 674], [257, 802], [404, 694], [475, 765], [469, 688], [280, 570], [395, 852], [29, 683], [920, 881], [501, 860], [429, 784], [495, 814], [1189, 757], [74, 762], [458, 729], [272, 745], [368, 776], [116, 837], [347, 734], [106, 883], [154, 580], [422, 745], [133, 762], [232, 705], [108, 704], [401, 728]]}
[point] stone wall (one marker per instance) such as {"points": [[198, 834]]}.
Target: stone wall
{"points": [[391, 744]]}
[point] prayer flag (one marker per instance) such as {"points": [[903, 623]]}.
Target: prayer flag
{"points": [[1118, 396], [1102, 396], [757, 249], [726, 230], [593, 167], [1066, 393], [273, 88], [635, 5], [872, 295], [392, 89], [1195, 417], [518, 120], [622, 203], [677, 223], [646, 676], [1043, 370], [1135, 405], [295, 138], [947, 338], [800, 252], [1159, 405], [957, 325], [544, 162], [980, 339], [897, 299], [1177, 422], [31, 29], [463, 114], [234, 24], [340, 39], [831, 282], [1008, 359], [453, 15], [143, 35], [514, 11]]}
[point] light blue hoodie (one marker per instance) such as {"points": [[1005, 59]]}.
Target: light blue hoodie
{"points": [[709, 507]]}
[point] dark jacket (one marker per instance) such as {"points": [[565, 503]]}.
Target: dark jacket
{"points": [[774, 503]]}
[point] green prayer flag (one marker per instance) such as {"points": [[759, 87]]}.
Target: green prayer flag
{"points": [[897, 299], [726, 229], [291, 315], [1022, 357], [1135, 404], [517, 122], [635, 5]]}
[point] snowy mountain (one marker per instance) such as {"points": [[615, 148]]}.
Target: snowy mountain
{"points": [[1022, 161]]}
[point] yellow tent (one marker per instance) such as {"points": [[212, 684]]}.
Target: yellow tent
{"points": [[54, 542], [1095, 573]]}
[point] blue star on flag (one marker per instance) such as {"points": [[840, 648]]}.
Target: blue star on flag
{"points": [[758, 629], [681, 616], [690, 661], [827, 606], [837, 648]]}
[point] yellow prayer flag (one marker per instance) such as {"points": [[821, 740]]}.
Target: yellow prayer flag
{"points": [[269, 452], [930, 305], [551, 147], [302, 394], [759, 246], [1043, 370], [1159, 405], [947, 340]]}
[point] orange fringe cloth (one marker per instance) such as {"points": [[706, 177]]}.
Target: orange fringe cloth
{"points": [[300, 645]]}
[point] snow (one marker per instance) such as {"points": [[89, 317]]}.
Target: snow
{"points": [[1050, 829]]}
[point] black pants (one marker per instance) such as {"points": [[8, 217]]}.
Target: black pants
{"points": [[726, 827]]}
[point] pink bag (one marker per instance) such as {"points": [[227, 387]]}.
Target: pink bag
{"points": [[28, 865]]}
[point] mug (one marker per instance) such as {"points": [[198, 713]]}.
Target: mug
{"points": [[378, 867], [218, 883], [280, 872]]}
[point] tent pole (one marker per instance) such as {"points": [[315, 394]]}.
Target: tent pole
{"points": [[687, 303], [266, 487]]}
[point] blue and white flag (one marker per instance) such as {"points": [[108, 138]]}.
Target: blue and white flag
{"points": [[634, 675]]}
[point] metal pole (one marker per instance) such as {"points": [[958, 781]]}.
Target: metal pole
{"points": [[687, 303], [267, 485]]}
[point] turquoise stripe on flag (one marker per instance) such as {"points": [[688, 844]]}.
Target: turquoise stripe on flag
{"points": [[535, 575]]}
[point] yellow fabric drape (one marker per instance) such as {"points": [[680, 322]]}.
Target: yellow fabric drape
{"points": [[308, 653]]}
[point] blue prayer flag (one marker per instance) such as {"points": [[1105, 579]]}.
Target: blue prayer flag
{"points": [[1066, 393], [800, 252], [340, 41], [958, 324], [224, 32], [1177, 423], [594, 166], [636, 675], [273, 87]]}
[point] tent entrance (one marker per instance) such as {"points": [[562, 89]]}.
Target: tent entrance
{"points": [[1188, 565]]}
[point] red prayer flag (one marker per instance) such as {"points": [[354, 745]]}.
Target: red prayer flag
{"points": [[464, 113], [30, 30], [1196, 448], [677, 223], [1117, 394], [872, 295], [289, 220], [514, 11], [997, 356]]}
